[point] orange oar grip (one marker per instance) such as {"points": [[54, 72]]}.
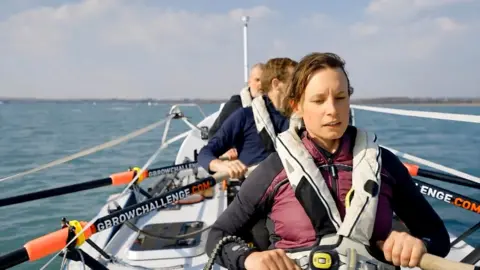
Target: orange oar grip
{"points": [[122, 178], [51, 243], [412, 169]]}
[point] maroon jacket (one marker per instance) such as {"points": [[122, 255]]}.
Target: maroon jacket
{"points": [[267, 194]]}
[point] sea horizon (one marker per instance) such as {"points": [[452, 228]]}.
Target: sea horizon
{"points": [[450, 101]]}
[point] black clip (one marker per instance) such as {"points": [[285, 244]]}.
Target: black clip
{"points": [[178, 115], [71, 234], [204, 133]]}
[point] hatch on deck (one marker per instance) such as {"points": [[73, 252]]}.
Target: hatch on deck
{"points": [[146, 247]]}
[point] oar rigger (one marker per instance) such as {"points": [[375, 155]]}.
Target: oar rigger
{"points": [[72, 252]]}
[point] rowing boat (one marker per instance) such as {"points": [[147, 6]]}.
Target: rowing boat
{"points": [[162, 219], [133, 249]]}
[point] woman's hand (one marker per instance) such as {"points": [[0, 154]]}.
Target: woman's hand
{"points": [[402, 249], [234, 168], [275, 259]]}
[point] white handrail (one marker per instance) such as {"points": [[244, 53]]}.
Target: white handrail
{"points": [[176, 108], [432, 115], [434, 165]]}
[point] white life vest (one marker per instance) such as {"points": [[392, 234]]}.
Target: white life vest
{"points": [[354, 233], [260, 113], [246, 97], [263, 122]]}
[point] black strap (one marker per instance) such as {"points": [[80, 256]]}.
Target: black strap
{"points": [[267, 141]]}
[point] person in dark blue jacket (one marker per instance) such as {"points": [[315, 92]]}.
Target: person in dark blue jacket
{"points": [[252, 130], [242, 100]]}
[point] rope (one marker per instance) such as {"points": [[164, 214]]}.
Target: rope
{"points": [[431, 115], [87, 151]]}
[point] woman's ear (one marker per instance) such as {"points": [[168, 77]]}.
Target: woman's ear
{"points": [[296, 108], [275, 83], [298, 111]]}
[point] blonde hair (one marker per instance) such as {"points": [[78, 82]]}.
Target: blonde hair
{"points": [[276, 68]]}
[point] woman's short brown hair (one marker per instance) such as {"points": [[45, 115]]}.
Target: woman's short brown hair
{"points": [[276, 68], [308, 66]]}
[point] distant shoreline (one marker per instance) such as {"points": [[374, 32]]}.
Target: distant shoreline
{"points": [[385, 101], [477, 104]]}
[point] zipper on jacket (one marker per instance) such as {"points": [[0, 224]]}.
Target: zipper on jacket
{"points": [[334, 175]]}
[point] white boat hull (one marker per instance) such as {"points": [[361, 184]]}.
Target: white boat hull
{"points": [[207, 211]]}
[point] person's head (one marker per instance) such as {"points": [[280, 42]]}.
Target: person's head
{"points": [[276, 76], [320, 93], [254, 79]]}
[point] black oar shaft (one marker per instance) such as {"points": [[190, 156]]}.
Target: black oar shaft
{"points": [[55, 191], [13, 258], [93, 184], [447, 178]]}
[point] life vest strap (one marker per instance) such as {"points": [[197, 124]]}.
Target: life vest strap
{"points": [[338, 253], [246, 97]]}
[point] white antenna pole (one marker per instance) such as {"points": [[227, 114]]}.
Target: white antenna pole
{"points": [[245, 48]]}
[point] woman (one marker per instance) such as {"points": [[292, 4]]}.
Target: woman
{"points": [[251, 130], [306, 189]]}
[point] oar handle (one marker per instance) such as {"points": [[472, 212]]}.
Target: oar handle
{"points": [[432, 262], [219, 176], [225, 175]]}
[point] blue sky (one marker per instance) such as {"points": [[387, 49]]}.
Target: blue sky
{"points": [[140, 48]]}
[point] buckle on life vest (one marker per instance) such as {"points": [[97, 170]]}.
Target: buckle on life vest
{"points": [[204, 133], [322, 258]]}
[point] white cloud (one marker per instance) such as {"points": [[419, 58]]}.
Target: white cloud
{"points": [[395, 9], [438, 3], [106, 48], [364, 29], [98, 40], [449, 25]]}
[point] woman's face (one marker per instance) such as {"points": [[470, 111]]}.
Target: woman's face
{"points": [[325, 106]]}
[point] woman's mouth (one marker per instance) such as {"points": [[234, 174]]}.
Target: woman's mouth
{"points": [[333, 124]]}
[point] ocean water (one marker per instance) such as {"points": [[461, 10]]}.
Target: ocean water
{"points": [[34, 134]]}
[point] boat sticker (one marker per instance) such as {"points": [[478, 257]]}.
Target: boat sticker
{"points": [[156, 203], [172, 169], [448, 196]]}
